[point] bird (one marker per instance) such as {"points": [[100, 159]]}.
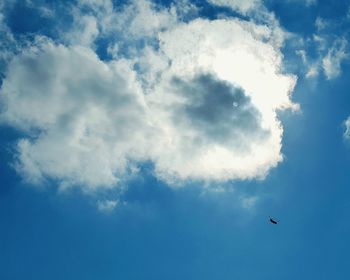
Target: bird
{"points": [[273, 221]]}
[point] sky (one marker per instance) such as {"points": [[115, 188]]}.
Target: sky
{"points": [[154, 139]]}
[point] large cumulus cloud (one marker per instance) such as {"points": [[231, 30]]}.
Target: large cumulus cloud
{"points": [[86, 117], [218, 100], [198, 99]]}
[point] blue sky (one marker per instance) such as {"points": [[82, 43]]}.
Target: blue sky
{"points": [[153, 140]]}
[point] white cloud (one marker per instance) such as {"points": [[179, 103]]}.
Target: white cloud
{"points": [[320, 23], [312, 68], [44, 10], [331, 63], [249, 202], [201, 105], [125, 26], [90, 115], [302, 54], [313, 71], [310, 2], [138, 19], [85, 31], [196, 150], [107, 206], [8, 45], [242, 6], [147, 21], [347, 129], [327, 49]]}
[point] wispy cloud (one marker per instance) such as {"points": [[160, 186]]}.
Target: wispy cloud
{"points": [[331, 63], [346, 134], [327, 49], [310, 2], [243, 6], [107, 206], [249, 202]]}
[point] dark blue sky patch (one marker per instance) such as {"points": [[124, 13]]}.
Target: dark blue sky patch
{"points": [[332, 9], [296, 17], [22, 19], [8, 177], [102, 44]]}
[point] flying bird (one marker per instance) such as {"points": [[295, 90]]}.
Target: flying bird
{"points": [[273, 221]]}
